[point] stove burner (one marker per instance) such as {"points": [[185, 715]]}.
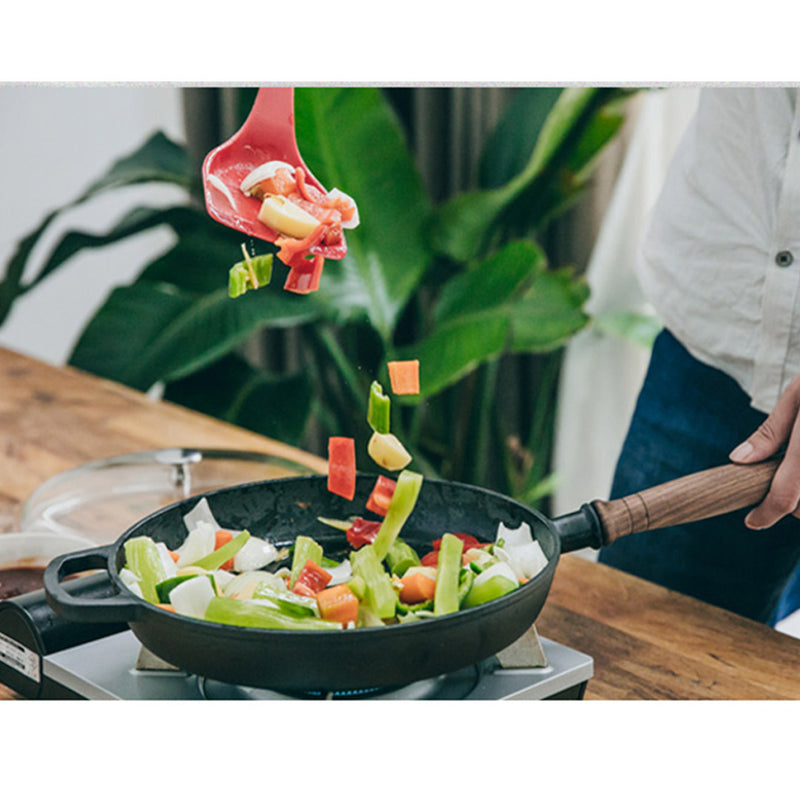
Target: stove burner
{"points": [[460, 685]]}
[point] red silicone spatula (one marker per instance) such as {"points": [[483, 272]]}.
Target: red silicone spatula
{"points": [[267, 134]]}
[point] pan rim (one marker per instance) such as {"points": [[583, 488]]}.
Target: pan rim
{"points": [[458, 618]]}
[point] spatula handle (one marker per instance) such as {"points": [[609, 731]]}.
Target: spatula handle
{"points": [[688, 499]]}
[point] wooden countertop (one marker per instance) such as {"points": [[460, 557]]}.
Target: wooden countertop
{"points": [[647, 642]]}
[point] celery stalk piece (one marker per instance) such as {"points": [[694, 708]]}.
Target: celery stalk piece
{"points": [[248, 614], [402, 504], [143, 560], [379, 593], [445, 599], [304, 548], [378, 409], [252, 273], [401, 556], [222, 554]]}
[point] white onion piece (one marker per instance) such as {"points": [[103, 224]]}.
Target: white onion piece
{"points": [[514, 537], [255, 553], [170, 567], [217, 183], [500, 568], [201, 513], [355, 221], [199, 543], [191, 598], [131, 580], [261, 173], [341, 573]]}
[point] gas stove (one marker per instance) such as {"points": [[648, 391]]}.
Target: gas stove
{"points": [[45, 657]]}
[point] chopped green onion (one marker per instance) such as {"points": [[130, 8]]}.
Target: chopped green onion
{"points": [[222, 554], [378, 409]]}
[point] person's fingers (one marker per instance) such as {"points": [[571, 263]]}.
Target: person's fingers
{"points": [[773, 433], [784, 493]]}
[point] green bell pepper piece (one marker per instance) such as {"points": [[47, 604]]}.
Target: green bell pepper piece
{"points": [[401, 505], [490, 589], [378, 409], [448, 569], [253, 273]]}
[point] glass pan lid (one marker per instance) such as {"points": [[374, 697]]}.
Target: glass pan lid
{"points": [[102, 499]]}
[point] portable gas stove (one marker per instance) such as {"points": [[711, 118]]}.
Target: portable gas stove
{"points": [[45, 657]]}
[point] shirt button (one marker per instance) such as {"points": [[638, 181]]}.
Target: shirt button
{"points": [[784, 258]]}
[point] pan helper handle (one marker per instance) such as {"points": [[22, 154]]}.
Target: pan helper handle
{"points": [[694, 497]]}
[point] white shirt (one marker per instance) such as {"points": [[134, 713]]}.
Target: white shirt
{"points": [[720, 261]]}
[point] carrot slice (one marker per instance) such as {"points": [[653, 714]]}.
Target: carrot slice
{"points": [[338, 604], [404, 376], [221, 538], [417, 588]]}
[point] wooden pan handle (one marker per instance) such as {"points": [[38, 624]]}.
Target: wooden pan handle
{"points": [[688, 499]]}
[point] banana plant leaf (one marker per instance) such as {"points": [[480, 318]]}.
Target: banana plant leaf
{"points": [[230, 389], [568, 142], [388, 253], [151, 332]]}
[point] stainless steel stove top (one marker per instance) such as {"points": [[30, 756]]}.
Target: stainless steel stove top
{"points": [[105, 669]]}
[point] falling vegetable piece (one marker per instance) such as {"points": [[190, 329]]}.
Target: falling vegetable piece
{"points": [[403, 501], [378, 409], [404, 376], [252, 273], [342, 466], [387, 451]]}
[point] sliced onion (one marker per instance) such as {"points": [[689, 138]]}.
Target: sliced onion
{"points": [[255, 554], [191, 598]]}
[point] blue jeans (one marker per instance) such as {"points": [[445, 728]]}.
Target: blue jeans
{"points": [[688, 418]]}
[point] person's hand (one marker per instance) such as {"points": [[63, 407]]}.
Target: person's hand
{"points": [[781, 427]]}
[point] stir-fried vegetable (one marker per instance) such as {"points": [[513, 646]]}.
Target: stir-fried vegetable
{"points": [[379, 582]]}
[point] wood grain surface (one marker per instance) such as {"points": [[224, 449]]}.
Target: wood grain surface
{"points": [[646, 642]]}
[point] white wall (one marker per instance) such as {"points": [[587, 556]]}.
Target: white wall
{"points": [[56, 140]]}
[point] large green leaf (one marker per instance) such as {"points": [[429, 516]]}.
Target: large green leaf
{"points": [[158, 159], [161, 333], [233, 390], [351, 139], [508, 149], [138, 220], [496, 280], [466, 225], [549, 313]]}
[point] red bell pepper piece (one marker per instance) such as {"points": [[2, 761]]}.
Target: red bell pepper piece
{"points": [[342, 466], [468, 539], [381, 495], [312, 579], [362, 531], [304, 280]]}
